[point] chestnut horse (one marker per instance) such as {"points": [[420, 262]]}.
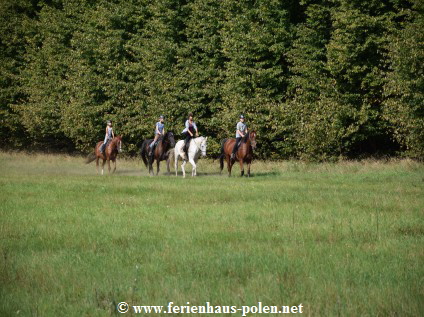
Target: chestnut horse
{"points": [[243, 155], [160, 152], [110, 153]]}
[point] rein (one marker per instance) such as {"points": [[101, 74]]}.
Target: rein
{"points": [[246, 137], [114, 144], [165, 139]]}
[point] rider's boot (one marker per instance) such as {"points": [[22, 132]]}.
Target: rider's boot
{"points": [[150, 149], [233, 155], [185, 152]]}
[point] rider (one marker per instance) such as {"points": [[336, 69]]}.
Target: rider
{"points": [[109, 135], [159, 132], [240, 133], [188, 132]]}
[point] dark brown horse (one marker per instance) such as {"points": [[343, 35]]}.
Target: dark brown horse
{"points": [[244, 153], [160, 152], [110, 153]]}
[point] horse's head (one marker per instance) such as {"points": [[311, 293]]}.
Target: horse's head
{"points": [[252, 138], [203, 145], [170, 136], [119, 143]]}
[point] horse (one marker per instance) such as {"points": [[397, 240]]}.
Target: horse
{"points": [[160, 152], [243, 155], [197, 146], [110, 153]]}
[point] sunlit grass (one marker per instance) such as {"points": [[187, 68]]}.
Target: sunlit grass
{"points": [[340, 238]]}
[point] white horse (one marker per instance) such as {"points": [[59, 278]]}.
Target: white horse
{"points": [[197, 146]]}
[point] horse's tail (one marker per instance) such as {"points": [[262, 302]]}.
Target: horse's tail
{"points": [[90, 158], [222, 156], [170, 155], [143, 153]]}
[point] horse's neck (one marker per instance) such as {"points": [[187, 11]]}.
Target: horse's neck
{"points": [[247, 144], [114, 144], [196, 147], [165, 141]]}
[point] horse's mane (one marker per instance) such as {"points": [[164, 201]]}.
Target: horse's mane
{"points": [[163, 137], [199, 137], [246, 137], [167, 134]]}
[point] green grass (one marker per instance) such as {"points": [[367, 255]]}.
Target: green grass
{"points": [[342, 239]]}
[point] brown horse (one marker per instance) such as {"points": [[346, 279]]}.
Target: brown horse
{"points": [[160, 152], [110, 153], [244, 153]]}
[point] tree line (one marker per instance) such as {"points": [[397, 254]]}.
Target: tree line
{"points": [[317, 79]]}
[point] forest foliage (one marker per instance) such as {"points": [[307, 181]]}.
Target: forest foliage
{"points": [[317, 79]]}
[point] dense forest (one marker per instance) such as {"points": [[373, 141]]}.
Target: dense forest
{"points": [[317, 79]]}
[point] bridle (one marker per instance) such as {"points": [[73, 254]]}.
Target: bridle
{"points": [[166, 138], [198, 147]]}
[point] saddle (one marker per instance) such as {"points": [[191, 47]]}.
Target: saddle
{"points": [[103, 146], [157, 142], [152, 148]]}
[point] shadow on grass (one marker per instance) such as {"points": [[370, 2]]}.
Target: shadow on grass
{"points": [[132, 172], [199, 174], [266, 174], [237, 174]]}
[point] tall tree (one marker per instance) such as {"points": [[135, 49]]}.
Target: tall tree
{"points": [[46, 68], [255, 38], [16, 27], [199, 68], [404, 88], [307, 120], [338, 64]]}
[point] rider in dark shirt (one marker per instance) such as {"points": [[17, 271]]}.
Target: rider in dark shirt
{"points": [[188, 132]]}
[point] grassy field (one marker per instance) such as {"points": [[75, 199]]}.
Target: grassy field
{"points": [[343, 239]]}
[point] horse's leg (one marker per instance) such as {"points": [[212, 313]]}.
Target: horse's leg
{"points": [[183, 167], [193, 164], [103, 165], [108, 165], [176, 164], [114, 166], [151, 172], [168, 168], [229, 164], [241, 168], [157, 166], [97, 165], [248, 169]]}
